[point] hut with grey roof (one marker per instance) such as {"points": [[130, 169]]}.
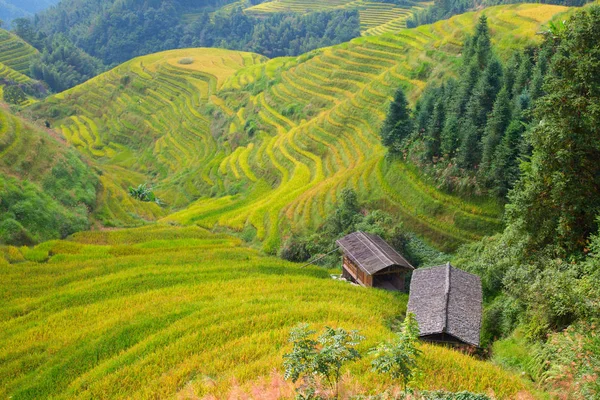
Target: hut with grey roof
{"points": [[447, 303], [371, 262]]}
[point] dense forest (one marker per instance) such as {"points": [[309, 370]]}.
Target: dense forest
{"points": [[528, 132]]}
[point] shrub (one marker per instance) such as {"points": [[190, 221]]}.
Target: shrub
{"points": [[186, 61], [320, 358], [399, 358]]}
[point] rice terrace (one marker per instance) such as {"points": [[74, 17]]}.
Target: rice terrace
{"points": [[292, 199]]}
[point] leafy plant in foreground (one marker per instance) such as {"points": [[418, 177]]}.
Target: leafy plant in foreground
{"points": [[399, 358], [321, 358]]}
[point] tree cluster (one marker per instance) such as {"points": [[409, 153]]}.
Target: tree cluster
{"points": [[348, 216], [115, 32], [274, 36], [468, 132], [61, 64], [542, 273]]}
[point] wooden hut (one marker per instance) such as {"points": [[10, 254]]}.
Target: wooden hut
{"points": [[447, 304], [371, 262]]}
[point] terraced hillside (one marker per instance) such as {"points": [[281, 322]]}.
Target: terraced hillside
{"points": [[375, 17], [145, 116], [164, 312], [15, 53], [268, 148]]}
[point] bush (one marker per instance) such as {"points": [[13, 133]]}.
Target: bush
{"points": [[186, 61]]}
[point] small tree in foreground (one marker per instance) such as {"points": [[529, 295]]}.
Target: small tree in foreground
{"points": [[323, 357], [399, 357]]}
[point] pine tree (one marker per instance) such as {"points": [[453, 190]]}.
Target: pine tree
{"points": [[558, 197], [434, 133], [482, 43], [398, 124], [504, 168], [510, 72], [494, 130], [523, 75]]}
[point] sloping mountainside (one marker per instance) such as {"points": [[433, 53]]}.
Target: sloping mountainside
{"points": [[142, 122], [259, 146], [166, 312], [375, 17], [15, 53], [46, 190]]}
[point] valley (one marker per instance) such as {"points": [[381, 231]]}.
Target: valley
{"points": [[165, 224]]}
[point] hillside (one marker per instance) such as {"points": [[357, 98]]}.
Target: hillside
{"points": [[375, 17], [47, 191], [181, 313], [269, 147], [15, 53]]}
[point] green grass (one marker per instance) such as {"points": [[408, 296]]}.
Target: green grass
{"points": [[165, 312]]}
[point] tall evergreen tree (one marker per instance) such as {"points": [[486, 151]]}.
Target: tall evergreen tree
{"points": [[433, 141], [495, 128], [558, 197], [504, 169], [398, 124]]}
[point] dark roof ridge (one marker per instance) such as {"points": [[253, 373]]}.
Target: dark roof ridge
{"points": [[447, 297], [381, 253], [381, 250]]}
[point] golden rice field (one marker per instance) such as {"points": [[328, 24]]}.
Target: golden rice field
{"points": [[375, 17], [15, 53], [167, 312], [182, 128]]}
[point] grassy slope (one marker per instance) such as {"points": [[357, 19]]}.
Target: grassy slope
{"points": [[375, 18], [15, 53], [156, 126], [43, 182], [159, 311]]}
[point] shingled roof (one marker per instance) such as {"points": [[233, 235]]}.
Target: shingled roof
{"points": [[446, 300], [370, 252]]}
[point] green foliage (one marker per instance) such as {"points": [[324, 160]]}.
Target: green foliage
{"points": [[114, 31], [557, 199], [573, 357], [469, 132], [144, 193], [322, 358], [398, 124], [186, 61], [350, 216], [29, 215], [13, 94], [399, 358]]}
